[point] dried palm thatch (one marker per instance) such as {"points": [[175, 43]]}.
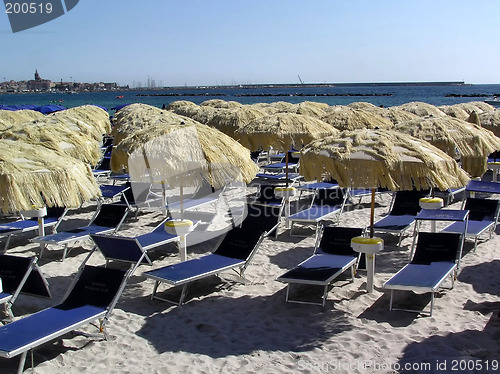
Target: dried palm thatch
{"points": [[421, 109], [266, 107], [362, 105], [393, 115], [32, 175], [221, 104], [282, 131], [308, 108], [201, 114], [184, 154], [449, 134], [86, 116], [10, 118], [57, 134], [283, 106], [346, 118], [134, 117], [229, 120], [477, 106], [179, 104], [491, 121], [454, 111], [380, 158]]}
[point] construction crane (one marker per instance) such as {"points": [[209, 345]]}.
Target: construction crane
{"points": [[300, 80]]}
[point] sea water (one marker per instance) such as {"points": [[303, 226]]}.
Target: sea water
{"points": [[380, 95]]}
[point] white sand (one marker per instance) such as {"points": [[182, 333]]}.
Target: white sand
{"points": [[248, 328]]}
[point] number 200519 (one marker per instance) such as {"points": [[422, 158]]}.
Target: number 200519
{"points": [[28, 8]]}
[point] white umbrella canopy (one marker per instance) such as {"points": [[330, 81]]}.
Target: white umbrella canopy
{"points": [[346, 118], [420, 109], [449, 134], [9, 118], [380, 158], [34, 176]]}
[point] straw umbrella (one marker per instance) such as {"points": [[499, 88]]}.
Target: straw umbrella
{"points": [[9, 118], [347, 118], [34, 176], [183, 154], [229, 120], [221, 104], [449, 134], [490, 121], [86, 116], [380, 158], [58, 135], [421, 109]]}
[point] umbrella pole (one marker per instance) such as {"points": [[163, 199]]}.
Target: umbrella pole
{"points": [[286, 169], [182, 202], [372, 213]]}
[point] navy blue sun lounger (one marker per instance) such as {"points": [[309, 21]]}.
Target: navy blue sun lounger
{"points": [[402, 215], [434, 261], [332, 256], [234, 252], [108, 219], [53, 218], [483, 217], [20, 275]]}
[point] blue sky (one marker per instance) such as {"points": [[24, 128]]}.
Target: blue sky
{"points": [[208, 42]]}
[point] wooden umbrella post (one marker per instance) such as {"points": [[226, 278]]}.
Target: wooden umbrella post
{"points": [[372, 213], [286, 169]]}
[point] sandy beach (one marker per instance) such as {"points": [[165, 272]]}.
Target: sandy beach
{"points": [[228, 327]]}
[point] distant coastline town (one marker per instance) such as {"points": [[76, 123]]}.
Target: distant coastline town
{"points": [[40, 85], [45, 85]]}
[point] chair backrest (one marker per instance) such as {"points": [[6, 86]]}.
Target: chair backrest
{"points": [[435, 247], [329, 196], [137, 192], [407, 202], [292, 158], [110, 215], [481, 209], [263, 218], [239, 243], [266, 195], [337, 240], [97, 286], [119, 248], [21, 274]]}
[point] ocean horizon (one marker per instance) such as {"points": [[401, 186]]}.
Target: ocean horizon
{"points": [[379, 94]]}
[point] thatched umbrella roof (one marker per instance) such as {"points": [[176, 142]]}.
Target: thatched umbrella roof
{"points": [[134, 117], [32, 175], [346, 118], [362, 105], [171, 150], [308, 108], [229, 120], [449, 134], [282, 131], [179, 104], [9, 118], [393, 115], [266, 107], [491, 121], [86, 116], [201, 114], [454, 111], [380, 158], [61, 135], [420, 109], [477, 106], [221, 104]]}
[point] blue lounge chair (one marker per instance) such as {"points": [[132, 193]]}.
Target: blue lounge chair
{"points": [[327, 202], [110, 193], [402, 214], [434, 261], [477, 186], [332, 256], [108, 218], [483, 217], [130, 249], [92, 296], [280, 167], [54, 217], [234, 251], [20, 275]]}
